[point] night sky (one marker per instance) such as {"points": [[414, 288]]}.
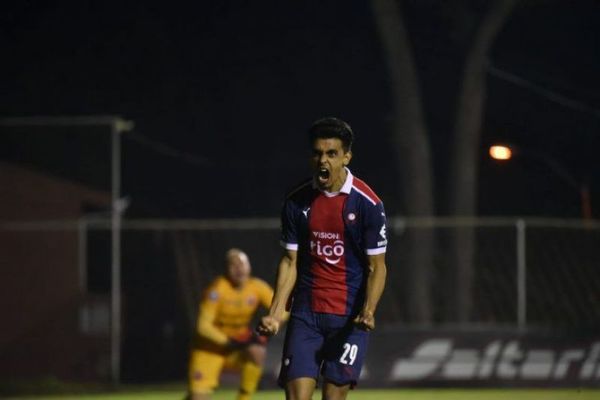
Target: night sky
{"points": [[229, 89]]}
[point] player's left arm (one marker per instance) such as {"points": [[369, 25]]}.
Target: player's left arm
{"points": [[375, 284], [375, 242]]}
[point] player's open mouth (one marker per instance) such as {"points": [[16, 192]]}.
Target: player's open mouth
{"points": [[323, 175]]}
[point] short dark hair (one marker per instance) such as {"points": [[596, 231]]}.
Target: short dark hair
{"points": [[331, 127]]}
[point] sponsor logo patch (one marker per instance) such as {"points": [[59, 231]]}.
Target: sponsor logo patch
{"points": [[328, 246]]}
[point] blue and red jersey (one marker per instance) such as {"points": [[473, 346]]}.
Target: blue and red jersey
{"points": [[333, 234]]}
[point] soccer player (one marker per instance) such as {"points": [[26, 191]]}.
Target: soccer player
{"points": [[332, 270], [224, 338]]}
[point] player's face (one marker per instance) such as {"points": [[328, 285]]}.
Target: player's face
{"points": [[238, 269], [328, 161]]}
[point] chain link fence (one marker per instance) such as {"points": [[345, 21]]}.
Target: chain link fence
{"points": [[524, 273]]}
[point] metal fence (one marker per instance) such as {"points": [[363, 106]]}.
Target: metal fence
{"points": [[526, 273], [542, 272]]}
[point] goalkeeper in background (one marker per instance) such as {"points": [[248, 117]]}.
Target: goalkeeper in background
{"points": [[224, 338]]}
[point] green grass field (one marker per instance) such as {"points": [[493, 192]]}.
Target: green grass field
{"points": [[359, 394]]}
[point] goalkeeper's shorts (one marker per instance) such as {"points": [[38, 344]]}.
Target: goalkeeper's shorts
{"points": [[205, 368]]}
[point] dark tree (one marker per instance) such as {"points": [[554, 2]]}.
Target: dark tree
{"points": [[474, 25]]}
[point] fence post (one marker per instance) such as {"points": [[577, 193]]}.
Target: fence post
{"points": [[521, 275], [82, 240], [115, 325]]}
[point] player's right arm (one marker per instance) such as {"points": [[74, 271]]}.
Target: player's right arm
{"points": [[286, 280], [207, 316], [208, 329]]}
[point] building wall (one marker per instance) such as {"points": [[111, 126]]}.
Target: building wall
{"points": [[40, 289]]}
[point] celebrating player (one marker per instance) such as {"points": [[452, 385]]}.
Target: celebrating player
{"points": [[224, 337], [332, 270]]}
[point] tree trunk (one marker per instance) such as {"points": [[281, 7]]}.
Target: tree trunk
{"points": [[413, 158], [466, 153]]}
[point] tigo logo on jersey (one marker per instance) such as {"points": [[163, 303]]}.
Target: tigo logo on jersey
{"points": [[328, 246]]}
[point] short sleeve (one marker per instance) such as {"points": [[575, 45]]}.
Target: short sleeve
{"points": [[375, 234], [289, 233]]}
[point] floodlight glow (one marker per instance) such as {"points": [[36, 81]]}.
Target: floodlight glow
{"points": [[499, 152]]}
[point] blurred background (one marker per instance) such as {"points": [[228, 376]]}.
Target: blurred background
{"points": [[139, 141]]}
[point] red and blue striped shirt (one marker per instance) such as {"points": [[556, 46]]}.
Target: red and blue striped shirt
{"points": [[333, 234]]}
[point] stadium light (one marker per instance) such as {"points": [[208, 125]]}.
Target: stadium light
{"points": [[505, 152], [500, 152]]}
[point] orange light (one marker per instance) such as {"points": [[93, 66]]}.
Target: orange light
{"points": [[499, 152]]}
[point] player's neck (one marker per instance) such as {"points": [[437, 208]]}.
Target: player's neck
{"points": [[338, 184], [237, 285]]}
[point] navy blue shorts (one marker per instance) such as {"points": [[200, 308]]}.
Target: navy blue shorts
{"points": [[323, 344]]}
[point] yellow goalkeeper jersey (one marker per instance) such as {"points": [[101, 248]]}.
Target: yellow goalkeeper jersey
{"points": [[225, 311]]}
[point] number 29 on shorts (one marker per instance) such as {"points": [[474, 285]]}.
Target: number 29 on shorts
{"points": [[349, 355]]}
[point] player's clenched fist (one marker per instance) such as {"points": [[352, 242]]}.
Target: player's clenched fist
{"points": [[268, 326], [365, 321]]}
